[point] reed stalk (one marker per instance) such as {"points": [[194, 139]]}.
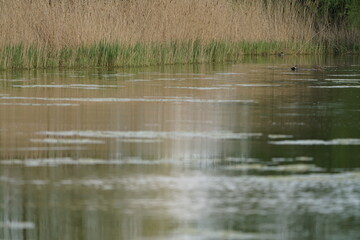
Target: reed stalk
{"points": [[111, 33]]}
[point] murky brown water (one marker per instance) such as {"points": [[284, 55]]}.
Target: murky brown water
{"points": [[235, 151]]}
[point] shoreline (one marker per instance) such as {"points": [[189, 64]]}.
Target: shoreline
{"points": [[113, 55]]}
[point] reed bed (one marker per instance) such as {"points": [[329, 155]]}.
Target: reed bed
{"points": [[87, 33], [106, 54]]}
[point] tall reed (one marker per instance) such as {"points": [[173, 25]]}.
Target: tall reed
{"points": [[71, 23], [44, 33]]}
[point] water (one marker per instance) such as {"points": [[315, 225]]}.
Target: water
{"points": [[232, 151]]}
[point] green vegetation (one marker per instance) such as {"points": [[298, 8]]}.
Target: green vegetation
{"points": [[111, 55], [103, 33], [338, 12]]}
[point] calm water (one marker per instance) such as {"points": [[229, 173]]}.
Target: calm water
{"points": [[234, 151]]}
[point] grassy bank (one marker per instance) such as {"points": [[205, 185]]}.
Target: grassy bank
{"points": [[105, 54], [110, 33]]}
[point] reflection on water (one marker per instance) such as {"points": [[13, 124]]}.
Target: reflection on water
{"points": [[234, 151]]}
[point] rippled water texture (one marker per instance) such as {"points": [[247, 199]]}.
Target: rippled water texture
{"points": [[234, 151]]}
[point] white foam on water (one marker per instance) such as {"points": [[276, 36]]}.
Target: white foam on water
{"points": [[190, 121], [281, 159], [295, 73], [290, 159], [76, 76], [67, 141], [304, 79], [295, 168], [172, 74], [53, 162], [38, 182], [278, 136], [14, 80], [344, 75], [257, 85], [44, 149], [71, 86], [207, 233], [341, 79], [113, 75], [41, 104], [340, 141], [304, 159], [140, 140], [347, 81], [170, 79], [229, 73], [177, 100], [46, 162], [152, 134], [288, 168], [338, 86], [138, 80], [204, 78], [17, 225], [189, 74], [200, 88], [242, 160]]}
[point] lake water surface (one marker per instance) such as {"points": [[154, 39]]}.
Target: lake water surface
{"points": [[229, 151]]}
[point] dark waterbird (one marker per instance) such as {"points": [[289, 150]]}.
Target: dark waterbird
{"points": [[281, 54], [294, 68]]}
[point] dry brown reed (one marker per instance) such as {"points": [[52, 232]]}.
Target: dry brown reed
{"points": [[70, 23]]}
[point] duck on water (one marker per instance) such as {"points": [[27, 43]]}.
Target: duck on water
{"points": [[314, 68]]}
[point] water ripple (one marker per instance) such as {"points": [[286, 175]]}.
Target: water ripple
{"points": [[152, 134], [340, 141], [338, 86], [66, 141], [177, 100], [73, 86]]}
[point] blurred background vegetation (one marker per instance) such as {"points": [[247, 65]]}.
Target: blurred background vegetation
{"points": [[335, 12]]}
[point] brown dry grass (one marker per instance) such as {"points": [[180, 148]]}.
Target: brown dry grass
{"points": [[74, 22]]}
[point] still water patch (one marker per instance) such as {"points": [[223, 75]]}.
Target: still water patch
{"points": [[220, 151]]}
